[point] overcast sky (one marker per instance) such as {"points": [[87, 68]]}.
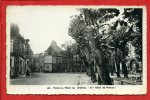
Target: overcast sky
{"points": [[42, 24]]}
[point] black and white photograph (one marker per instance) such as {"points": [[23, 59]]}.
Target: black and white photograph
{"points": [[71, 49]]}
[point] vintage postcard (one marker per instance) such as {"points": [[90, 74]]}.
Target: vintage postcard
{"points": [[76, 50]]}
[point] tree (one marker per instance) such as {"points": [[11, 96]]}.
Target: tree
{"points": [[85, 30], [77, 30], [95, 34], [69, 51], [135, 17], [128, 29], [69, 48]]}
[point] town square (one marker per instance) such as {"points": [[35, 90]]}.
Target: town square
{"points": [[76, 46]]}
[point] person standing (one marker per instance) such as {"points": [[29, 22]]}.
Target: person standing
{"points": [[28, 73]]}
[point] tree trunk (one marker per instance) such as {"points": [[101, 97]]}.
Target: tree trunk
{"points": [[124, 67], [101, 62], [117, 59], [87, 66], [93, 76], [103, 72], [102, 68]]}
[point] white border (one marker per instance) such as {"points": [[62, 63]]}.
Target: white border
{"points": [[116, 89]]}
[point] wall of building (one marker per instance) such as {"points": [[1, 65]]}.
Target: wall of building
{"points": [[62, 64], [48, 59], [20, 52], [11, 65]]}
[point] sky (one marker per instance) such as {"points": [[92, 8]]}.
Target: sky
{"points": [[42, 24]]}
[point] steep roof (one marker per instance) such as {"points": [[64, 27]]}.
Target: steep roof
{"points": [[55, 46], [53, 49]]}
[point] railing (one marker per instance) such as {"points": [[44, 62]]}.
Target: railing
{"points": [[133, 80]]}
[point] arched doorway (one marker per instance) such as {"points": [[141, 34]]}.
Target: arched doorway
{"points": [[134, 65]]}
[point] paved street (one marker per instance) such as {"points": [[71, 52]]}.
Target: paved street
{"points": [[63, 79], [53, 79]]}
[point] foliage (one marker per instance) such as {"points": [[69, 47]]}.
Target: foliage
{"points": [[69, 48], [95, 32]]}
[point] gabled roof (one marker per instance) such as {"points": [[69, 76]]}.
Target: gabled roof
{"points": [[54, 48]]}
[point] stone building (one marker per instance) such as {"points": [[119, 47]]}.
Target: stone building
{"points": [[56, 61], [133, 64], [53, 63], [20, 52]]}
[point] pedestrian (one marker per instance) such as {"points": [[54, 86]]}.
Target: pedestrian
{"points": [[28, 73]]}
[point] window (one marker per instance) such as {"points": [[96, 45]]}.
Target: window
{"points": [[59, 60], [11, 45], [23, 47], [56, 60], [11, 61], [20, 46]]}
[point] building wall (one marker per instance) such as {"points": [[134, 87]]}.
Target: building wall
{"points": [[18, 64], [48, 59], [19, 52], [12, 65], [62, 64], [56, 62], [22, 66]]}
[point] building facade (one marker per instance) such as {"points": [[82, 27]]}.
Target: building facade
{"points": [[133, 65], [53, 63], [20, 53], [56, 60]]}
